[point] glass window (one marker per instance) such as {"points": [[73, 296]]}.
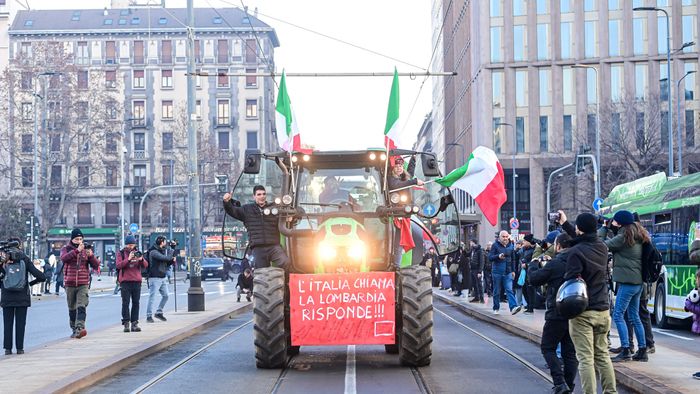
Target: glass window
{"points": [[56, 175], [662, 35], [223, 113], [613, 5], [639, 26], [664, 129], [640, 81], [84, 213], [82, 79], [616, 82], [496, 47], [688, 31], [497, 86], [565, 6], [496, 135], [496, 7], [139, 142], [663, 81], [566, 40], [591, 129], [519, 7], [140, 175], [521, 88], [638, 3], [689, 81], [662, 3], [616, 126], [27, 143], [83, 176], [639, 130], [544, 126], [568, 133], [167, 175], [542, 7], [27, 176], [222, 79], [689, 127], [167, 109], [251, 80], [224, 140], [138, 79], [545, 90], [590, 39], [520, 133], [589, 5], [568, 86], [252, 140], [591, 86], [167, 141], [251, 108], [688, 2], [542, 41], [519, 42], [167, 78], [139, 113], [615, 37]]}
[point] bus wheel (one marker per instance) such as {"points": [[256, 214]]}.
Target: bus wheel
{"points": [[660, 307]]}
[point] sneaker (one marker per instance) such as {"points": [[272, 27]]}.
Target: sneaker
{"points": [[160, 317], [74, 334], [515, 310], [150, 320], [20, 351], [696, 375], [80, 333], [8, 352], [495, 311], [135, 327], [126, 327]]}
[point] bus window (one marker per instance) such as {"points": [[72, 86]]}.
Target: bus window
{"points": [[661, 219]]}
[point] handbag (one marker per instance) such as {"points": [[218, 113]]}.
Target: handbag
{"points": [[521, 278], [453, 268]]}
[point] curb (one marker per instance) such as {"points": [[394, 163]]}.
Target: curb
{"points": [[88, 376], [625, 376]]}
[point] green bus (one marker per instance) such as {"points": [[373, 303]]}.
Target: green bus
{"points": [[670, 210]]}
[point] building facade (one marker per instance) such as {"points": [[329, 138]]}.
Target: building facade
{"points": [[138, 57], [536, 77]]}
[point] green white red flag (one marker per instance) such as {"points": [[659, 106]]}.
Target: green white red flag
{"points": [[482, 178], [391, 129], [288, 135]]}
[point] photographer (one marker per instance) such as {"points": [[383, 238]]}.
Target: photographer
{"points": [[15, 268], [526, 253], [160, 259], [77, 259], [129, 263], [546, 246], [244, 285], [477, 269]]}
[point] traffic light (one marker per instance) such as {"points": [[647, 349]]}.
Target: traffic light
{"points": [[580, 163], [221, 183]]}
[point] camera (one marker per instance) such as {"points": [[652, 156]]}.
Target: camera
{"points": [[172, 243], [138, 254], [554, 217], [87, 246], [9, 250]]}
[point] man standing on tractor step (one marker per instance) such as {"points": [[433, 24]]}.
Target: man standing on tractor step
{"points": [[262, 229]]}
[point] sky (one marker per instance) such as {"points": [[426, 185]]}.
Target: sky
{"points": [[348, 112]]}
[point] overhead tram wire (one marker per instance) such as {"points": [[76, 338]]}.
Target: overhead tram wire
{"points": [[255, 34]]}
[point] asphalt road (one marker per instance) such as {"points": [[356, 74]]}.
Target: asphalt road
{"points": [[462, 362], [47, 318]]}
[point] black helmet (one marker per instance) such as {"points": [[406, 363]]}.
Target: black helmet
{"points": [[572, 298]]}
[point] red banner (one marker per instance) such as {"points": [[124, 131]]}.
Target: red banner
{"points": [[342, 309]]}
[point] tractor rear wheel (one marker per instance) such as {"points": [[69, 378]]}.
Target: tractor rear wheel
{"points": [[268, 318], [415, 344]]}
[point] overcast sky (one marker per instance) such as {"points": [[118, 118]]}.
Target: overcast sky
{"points": [[338, 113]]}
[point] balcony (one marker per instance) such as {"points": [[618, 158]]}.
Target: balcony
{"points": [[139, 155]]}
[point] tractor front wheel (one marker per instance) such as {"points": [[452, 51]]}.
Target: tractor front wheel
{"points": [[415, 341], [268, 318]]}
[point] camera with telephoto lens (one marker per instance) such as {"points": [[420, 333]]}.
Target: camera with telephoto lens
{"points": [[554, 217], [138, 254], [9, 250], [172, 243]]}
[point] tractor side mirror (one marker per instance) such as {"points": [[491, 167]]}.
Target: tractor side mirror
{"points": [[430, 165], [251, 163], [445, 202]]}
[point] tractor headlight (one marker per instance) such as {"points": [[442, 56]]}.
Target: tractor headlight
{"points": [[286, 199], [407, 209], [382, 157], [416, 209], [266, 211], [357, 251], [403, 198], [326, 251], [294, 159], [372, 156], [306, 157], [395, 198], [278, 200], [274, 211]]}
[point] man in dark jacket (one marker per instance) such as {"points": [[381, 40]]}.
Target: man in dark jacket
{"points": [[159, 261], [262, 229], [556, 327], [476, 266], [48, 274], [244, 285], [463, 271], [503, 271], [525, 259], [14, 302], [77, 261], [588, 259], [431, 261]]}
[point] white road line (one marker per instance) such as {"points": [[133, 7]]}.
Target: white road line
{"points": [[350, 380], [671, 335]]}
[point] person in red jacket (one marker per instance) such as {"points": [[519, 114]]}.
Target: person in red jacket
{"points": [[77, 261], [129, 266]]}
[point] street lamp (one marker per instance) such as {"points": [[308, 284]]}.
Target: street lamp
{"points": [[680, 133], [668, 71], [515, 148], [122, 150], [597, 125]]}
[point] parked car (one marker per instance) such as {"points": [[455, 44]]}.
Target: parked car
{"points": [[212, 267]]}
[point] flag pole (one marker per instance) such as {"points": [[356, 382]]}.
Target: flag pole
{"points": [[410, 186]]}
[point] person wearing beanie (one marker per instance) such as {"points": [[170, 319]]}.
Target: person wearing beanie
{"points": [[546, 247], [626, 247], [129, 266], [587, 258], [77, 260], [528, 290]]}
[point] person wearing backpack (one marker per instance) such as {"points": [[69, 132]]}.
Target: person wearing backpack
{"points": [[626, 247], [159, 262], [15, 298], [129, 265], [77, 260]]}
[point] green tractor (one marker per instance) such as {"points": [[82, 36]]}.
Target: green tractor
{"points": [[352, 279]]}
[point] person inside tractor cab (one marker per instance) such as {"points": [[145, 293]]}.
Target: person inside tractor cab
{"points": [[332, 192], [408, 234], [263, 233]]}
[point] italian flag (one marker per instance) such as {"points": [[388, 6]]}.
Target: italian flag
{"points": [[391, 129], [482, 178], [288, 135]]}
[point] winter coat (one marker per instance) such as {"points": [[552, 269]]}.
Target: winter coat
{"points": [[23, 297], [538, 251], [48, 271], [262, 229], [76, 266], [694, 308], [59, 271], [476, 262], [433, 257], [245, 283], [588, 258], [130, 270], [158, 262], [506, 265], [627, 260], [552, 275]]}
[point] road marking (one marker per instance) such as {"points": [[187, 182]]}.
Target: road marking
{"points": [[671, 335], [350, 379]]}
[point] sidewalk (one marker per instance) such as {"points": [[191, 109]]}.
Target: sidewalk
{"points": [[668, 371], [74, 364]]}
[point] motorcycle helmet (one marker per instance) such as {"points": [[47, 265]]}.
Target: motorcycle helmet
{"points": [[572, 298], [694, 296]]}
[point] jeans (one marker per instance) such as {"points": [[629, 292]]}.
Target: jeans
{"points": [[17, 317], [478, 288], [131, 291], [644, 316], [519, 297], [156, 285], [264, 254], [628, 300], [589, 332], [554, 333], [78, 299], [505, 281]]}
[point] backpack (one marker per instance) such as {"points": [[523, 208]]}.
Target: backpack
{"points": [[651, 263], [15, 276], [145, 271]]}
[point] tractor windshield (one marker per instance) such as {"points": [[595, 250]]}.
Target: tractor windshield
{"points": [[326, 190]]}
